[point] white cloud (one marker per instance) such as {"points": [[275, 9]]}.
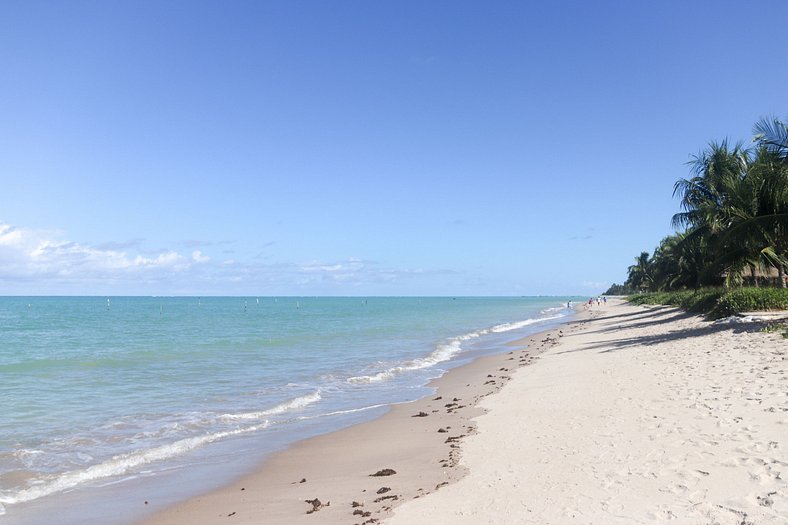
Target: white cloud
{"points": [[27, 253], [9, 236], [43, 262], [599, 286], [351, 270], [198, 257]]}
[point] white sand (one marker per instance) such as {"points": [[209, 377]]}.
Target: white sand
{"points": [[640, 415]]}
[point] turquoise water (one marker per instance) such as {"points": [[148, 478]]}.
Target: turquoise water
{"points": [[99, 392]]}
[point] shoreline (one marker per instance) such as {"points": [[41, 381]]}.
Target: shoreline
{"points": [[643, 415], [401, 343], [623, 414], [419, 440]]}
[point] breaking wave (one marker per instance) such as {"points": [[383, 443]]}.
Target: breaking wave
{"points": [[446, 351], [298, 402]]}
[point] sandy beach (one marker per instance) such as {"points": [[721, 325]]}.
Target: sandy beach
{"points": [[626, 415]]}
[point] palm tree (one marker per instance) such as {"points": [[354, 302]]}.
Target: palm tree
{"points": [[773, 134], [761, 223], [716, 171], [709, 199], [640, 273], [665, 268], [738, 200]]}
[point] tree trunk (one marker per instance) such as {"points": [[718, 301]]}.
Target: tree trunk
{"points": [[754, 277], [781, 275]]}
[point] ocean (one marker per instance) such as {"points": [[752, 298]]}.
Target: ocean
{"points": [[108, 400]]}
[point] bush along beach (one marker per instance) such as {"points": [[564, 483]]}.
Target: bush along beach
{"points": [[718, 302]]}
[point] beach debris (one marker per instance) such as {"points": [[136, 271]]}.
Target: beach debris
{"points": [[146, 503], [356, 504], [316, 505], [242, 488], [363, 514], [231, 514], [767, 500], [442, 484], [420, 414], [303, 480], [383, 490], [384, 498], [438, 398], [384, 472], [442, 430]]}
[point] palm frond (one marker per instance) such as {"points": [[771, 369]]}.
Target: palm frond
{"points": [[773, 134]]}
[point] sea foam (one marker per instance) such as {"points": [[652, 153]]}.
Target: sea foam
{"points": [[125, 463], [447, 350], [299, 402], [120, 465]]}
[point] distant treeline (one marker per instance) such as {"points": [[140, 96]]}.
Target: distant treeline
{"points": [[733, 224]]}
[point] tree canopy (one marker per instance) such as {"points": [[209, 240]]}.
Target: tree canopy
{"points": [[733, 225]]}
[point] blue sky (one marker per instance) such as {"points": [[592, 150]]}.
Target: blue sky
{"points": [[362, 148]]}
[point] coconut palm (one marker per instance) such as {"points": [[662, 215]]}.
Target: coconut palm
{"points": [[640, 273], [709, 199], [773, 134], [734, 217], [738, 201], [760, 222], [717, 171]]}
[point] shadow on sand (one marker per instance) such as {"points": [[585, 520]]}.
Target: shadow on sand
{"points": [[653, 317]]}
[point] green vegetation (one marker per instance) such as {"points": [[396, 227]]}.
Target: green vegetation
{"points": [[776, 327], [735, 229], [752, 300], [719, 302], [619, 289]]}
